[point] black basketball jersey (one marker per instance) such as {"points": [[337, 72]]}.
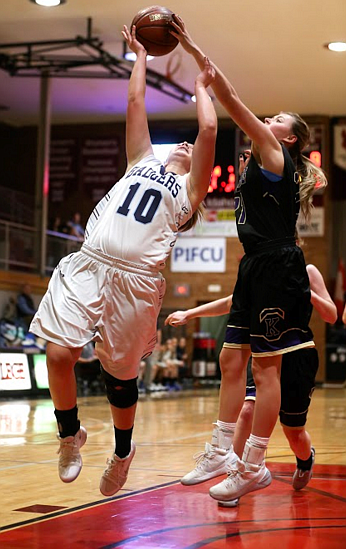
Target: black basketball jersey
{"points": [[266, 210]]}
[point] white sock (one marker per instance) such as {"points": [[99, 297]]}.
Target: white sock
{"points": [[255, 449], [227, 427], [259, 442], [223, 434]]}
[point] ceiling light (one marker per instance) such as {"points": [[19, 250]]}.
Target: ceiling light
{"points": [[130, 55], [194, 98], [48, 3], [336, 46]]}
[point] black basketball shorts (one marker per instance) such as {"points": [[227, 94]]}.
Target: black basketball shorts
{"points": [[271, 305]]}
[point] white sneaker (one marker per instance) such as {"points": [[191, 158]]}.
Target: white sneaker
{"points": [[114, 477], [70, 460], [242, 479], [211, 463], [301, 478]]}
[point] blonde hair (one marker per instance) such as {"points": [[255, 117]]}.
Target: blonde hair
{"points": [[198, 215], [310, 175]]}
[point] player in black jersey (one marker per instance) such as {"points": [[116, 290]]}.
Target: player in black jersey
{"points": [[298, 373], [271, 301]]}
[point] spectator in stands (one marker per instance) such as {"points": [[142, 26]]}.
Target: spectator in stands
{"points": [[75, 226], [25, 306], [59, 226], [182, 357], [170, 379], [88, 373], [10, 310]]}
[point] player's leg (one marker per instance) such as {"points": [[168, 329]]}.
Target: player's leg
{"points": [[250, 472], [300, 443], [120, 353], [122, 396], [63, 390], [244, 422], [218, 455], [299, 369], [243, 427]]}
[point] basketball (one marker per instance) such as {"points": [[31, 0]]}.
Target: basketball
{"points": [[152, 30]]}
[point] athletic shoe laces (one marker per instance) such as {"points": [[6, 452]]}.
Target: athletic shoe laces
{"points": [[206, 454], [116, 470], [69, 451]]}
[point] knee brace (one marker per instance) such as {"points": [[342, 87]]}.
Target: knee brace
{"points": [[121, 393]]}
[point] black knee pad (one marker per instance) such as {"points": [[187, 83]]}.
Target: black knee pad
{"points": [[121, 393]]}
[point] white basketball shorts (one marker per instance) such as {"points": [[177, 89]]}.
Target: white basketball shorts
{"points": [[92, 296]]}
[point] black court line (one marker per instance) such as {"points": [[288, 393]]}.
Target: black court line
{"points": [[223, 523], [84, 506], [130, 494], [235, 534], [311, 489]]}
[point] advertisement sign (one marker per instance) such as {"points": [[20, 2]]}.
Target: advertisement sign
{"points": [[316, 225], [40, 371], [199, 255], [340, 146], [14, 372]]}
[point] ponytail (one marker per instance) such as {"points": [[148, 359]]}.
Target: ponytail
{"points": [[311, 177], [198, 215]]}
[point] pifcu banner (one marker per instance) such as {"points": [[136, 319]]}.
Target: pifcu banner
{"points": [[199, 255]]}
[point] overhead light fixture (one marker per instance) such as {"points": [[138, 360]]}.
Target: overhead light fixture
{"points": [[336, 46], [48, 3], [129, 55], [194, 99]]}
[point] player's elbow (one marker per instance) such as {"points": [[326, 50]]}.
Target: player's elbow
{"points": [[207, 133], [135, 100], [331, 315], [209, 127]]}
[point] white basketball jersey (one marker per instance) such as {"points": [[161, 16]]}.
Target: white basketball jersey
{"points": [[138, 220]]}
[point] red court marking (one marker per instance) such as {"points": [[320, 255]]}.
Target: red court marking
{"points": [[183, 517], [41, 508]]}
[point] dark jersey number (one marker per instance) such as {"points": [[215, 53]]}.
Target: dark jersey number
{"points": [[147, 207]]}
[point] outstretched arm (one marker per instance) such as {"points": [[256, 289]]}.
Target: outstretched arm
{"points": [[320, 297], [268, 146], [203, 152], [214, 308], [138, 143]]}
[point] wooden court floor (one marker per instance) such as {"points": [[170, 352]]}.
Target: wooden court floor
{"points": [[154, 510]]}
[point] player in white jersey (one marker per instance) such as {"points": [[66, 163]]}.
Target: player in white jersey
{"points": [[111, 291]]}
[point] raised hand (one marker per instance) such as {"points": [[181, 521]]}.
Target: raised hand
{"points": [[244, 160], [180, 32], [207, 76], [131, 40]]}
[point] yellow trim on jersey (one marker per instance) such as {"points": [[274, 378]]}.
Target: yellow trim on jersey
{"points": [[240, 327], [237, 345], [281, 334], [286, 350], [250, 398]]}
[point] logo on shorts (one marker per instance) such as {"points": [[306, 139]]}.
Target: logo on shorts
{"points": [[271, 317]]}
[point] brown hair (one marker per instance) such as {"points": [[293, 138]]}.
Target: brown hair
{"points": [[198, 215], [310, 175]]}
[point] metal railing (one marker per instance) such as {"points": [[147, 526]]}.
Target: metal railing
{"points": [[17, 247]]}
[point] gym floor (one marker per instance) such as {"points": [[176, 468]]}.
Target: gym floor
{"points": [[154, 510]]}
